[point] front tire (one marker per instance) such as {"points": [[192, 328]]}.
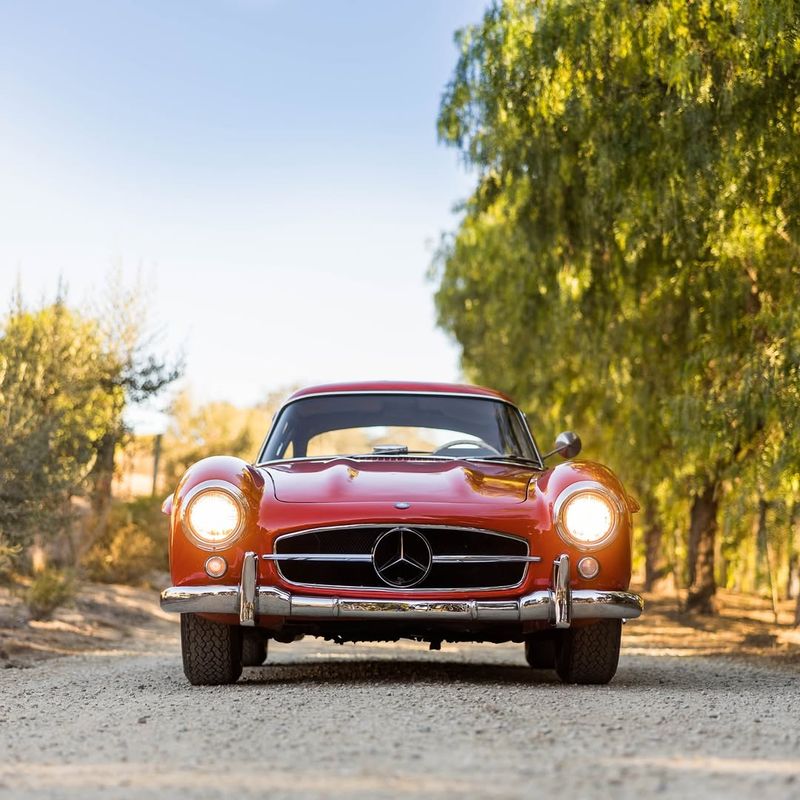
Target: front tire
{"points": [[589, 654], [212, 651]]}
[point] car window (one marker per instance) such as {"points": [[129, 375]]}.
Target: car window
{"points": [[374, 424], [365, 440]]}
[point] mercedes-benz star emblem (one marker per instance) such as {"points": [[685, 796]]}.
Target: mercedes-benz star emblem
{"points": [[402, 557]]}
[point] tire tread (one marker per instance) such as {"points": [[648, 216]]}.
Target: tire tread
{"points": [[212, 652], [590, 654]]}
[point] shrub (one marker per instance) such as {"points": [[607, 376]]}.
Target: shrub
{"points": [[126, 558], [7, 555], [50, 589], [134, 545]]}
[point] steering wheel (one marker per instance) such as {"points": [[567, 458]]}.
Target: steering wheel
{"points": [[478, 444]]}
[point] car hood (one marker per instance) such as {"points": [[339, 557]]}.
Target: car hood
{"points": [[348, 480]]}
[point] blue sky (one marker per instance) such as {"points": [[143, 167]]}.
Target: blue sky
{"points": [[269, 168]]}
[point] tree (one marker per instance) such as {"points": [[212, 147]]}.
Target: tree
{"points": [[631, 245], [65, 379], [55, 411], [215, 428], [134, 375]]}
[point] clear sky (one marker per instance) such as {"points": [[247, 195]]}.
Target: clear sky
{"points": [[270, 167]]}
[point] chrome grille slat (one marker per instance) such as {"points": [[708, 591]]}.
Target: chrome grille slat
{"points": [[363, 557], [441, 559], [463, 559]]}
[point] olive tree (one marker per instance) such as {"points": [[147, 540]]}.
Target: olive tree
{"points": [[65, 379], [55, 410]]}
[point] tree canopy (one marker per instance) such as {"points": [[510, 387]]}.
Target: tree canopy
{"points": [[55, 412], [628, 260], [65, 378]]}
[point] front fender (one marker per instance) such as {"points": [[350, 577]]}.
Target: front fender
{"points": [[187, 560], [614, 557]]}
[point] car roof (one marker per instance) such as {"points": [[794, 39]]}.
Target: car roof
{"points": [[419, 387]]}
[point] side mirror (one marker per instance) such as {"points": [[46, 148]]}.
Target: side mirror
{"points": [[568, 445]]}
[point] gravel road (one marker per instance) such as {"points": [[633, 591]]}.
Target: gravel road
{"points": [[396, 721]]}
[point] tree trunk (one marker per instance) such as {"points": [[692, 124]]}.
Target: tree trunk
{"points": [[702, 540], [763, 539], [792, 576], [795, 578], [156, 463], [102, 473], [655, 566], [101, 477], [797, 611]]}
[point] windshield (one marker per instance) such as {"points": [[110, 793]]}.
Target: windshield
{"points": [[447, 426]]}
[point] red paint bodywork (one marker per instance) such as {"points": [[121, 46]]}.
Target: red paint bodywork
{"points": [[291, 496], [398, 386]]}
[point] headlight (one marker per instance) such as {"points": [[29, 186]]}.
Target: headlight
{"points": [[586, 515], [214, 514]]}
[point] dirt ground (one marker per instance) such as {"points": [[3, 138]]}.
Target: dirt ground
{"points": [[105, 616], [99, 708], [102, 618]]}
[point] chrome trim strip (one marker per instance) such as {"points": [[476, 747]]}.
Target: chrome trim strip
{"points": [[313, 606], [394, 589], [366, 557], [259, 463], [363, 557], [213, 599], [413, 457], [537, 605], [479, 559], [360, 456], [273, 602], [247, 593], [392, 523], [497, 610], [270, 601]]}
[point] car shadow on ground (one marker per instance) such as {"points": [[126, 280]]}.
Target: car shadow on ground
{"points": [[377, 671], [645, 672]]}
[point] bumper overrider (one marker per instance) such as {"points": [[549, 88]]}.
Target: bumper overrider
{"points": [[558, 605]]}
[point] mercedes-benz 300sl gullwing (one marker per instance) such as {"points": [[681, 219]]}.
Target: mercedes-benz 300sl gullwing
{"points": [[380, 511]]}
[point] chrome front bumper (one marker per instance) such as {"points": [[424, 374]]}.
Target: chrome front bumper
{"points": [[558, 605]]}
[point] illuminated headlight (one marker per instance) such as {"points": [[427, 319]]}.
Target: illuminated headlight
{"points": [[586, 515], [214, 514]]}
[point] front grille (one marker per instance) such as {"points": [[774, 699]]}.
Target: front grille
{"points": [[455, 555]]}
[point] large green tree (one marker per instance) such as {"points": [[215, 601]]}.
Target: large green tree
{"points": [[66, 377], [56, 407], [628, 259]]}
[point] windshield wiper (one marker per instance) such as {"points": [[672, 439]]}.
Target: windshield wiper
{"points": [[394, 454], [513, 459]]}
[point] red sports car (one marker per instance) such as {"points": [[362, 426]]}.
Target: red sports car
{"points": [[379, 511]]}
